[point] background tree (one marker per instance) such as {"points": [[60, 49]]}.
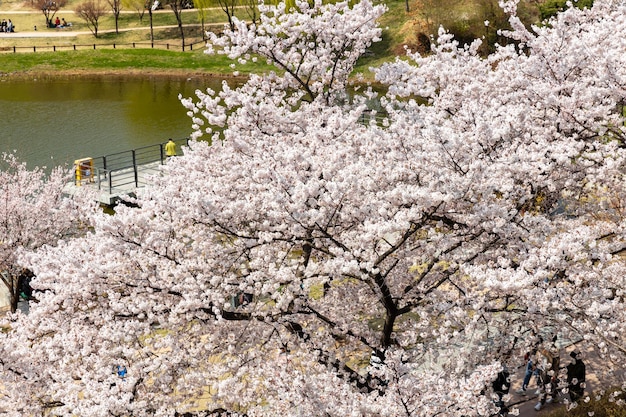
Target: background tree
{"points": [[252, 10], [177, 7], [549, 8], [202, 7], [485, 19], [140, 6], [151, 7], [33, 213], [91, 11], [229, 7], [311, 264], [49, 8], [116, 8]]}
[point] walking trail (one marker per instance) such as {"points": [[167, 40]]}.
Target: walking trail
{"points": [[68, 32], [596, 380]]}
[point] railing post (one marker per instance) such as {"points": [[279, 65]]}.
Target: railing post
{"points": [[135, 169], [98, 174], [162, 153], [111, 182], [104, 166]]}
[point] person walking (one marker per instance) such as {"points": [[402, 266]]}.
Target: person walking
{"points": [[170, 148], [576, 376], [501, 387], [548, 374], [531, 370]]}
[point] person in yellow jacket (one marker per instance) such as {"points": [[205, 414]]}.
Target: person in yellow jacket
{"points": [[170, 148]]}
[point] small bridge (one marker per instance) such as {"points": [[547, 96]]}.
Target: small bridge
{"points": [[120, 174]]}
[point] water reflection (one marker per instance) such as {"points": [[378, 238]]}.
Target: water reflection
{"points": [[54, 122]]}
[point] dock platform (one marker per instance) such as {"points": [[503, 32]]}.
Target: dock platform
{"points": [[112, 177]]}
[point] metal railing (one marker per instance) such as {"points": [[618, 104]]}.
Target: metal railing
{"points": [[125, 170]]}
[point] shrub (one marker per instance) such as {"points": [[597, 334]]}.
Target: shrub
{"points": [[552, 7], [611, 403]]}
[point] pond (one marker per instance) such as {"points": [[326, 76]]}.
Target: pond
{"points": [[50, 122]]}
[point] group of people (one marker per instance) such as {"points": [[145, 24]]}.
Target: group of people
{"points": [[545, 365], [59, 23], [7, 26]]}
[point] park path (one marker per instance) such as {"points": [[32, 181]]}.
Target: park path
{"points": [[596, 380], [67, 33]]}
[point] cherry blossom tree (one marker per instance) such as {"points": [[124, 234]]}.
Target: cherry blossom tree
{"points": [[33, 212], [306, 262]]}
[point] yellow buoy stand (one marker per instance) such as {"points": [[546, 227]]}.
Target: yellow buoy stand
{"points": [[83, 171]]}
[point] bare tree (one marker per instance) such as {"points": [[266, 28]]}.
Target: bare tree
{"points": [[202, 6], [49, 8], [91, 11], [252, 9], [177, 7], [228, 6], [151, 6], [116, 7], [140, 6]]}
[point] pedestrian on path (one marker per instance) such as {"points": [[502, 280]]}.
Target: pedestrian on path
{"points": [[170, 148], [531, 369], [548, 374], [576, 374], [501, 387]]}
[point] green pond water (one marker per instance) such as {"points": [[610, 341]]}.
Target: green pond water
{"points": [[53, 122]]}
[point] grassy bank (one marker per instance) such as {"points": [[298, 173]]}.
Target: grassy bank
{"points": [[133, 61]]}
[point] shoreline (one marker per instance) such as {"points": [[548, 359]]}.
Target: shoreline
{"points": [[131, 73], [33, 75]]}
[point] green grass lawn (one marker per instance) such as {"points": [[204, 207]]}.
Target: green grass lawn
{"points": [[83, 52], [122, 60], [399, 27]]}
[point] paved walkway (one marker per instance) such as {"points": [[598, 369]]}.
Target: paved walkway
{"points": [[596, 379], [68, 32]]}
